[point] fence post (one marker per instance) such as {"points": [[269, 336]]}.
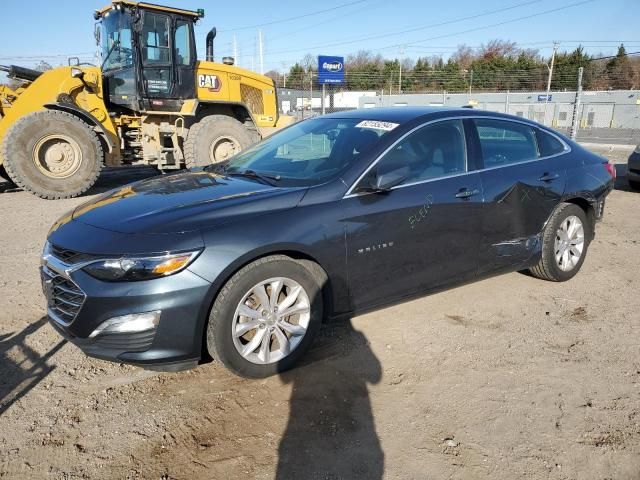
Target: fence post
{"points": [[324, 94], [311, 93], [576, 106]]}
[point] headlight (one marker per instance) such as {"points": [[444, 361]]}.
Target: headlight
{"points": [[140, 268]]}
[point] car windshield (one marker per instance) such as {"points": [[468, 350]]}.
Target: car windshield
{"points": [[308, 153], [116, 40]]}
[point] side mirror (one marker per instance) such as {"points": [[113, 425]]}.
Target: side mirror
{"points": [[383, 182], [333, 134], [386, 181]]}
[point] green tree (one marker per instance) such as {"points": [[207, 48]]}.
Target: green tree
{"points": [[619, 70], [295, 79]]}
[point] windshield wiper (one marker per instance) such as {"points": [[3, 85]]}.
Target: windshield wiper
{"points": [[264, 177], [106, 59]]}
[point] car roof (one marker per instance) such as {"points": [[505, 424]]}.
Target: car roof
{"points": [[407, 114]]}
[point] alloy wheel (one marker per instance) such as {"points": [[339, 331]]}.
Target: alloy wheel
{"points": [[569, 243], [271, 320]]}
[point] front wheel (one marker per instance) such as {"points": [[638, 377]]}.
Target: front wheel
{"points": [[52, 154], [634, 185], [565, 242], [265, 317]]}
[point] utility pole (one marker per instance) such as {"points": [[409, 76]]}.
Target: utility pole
{"points": [[401, 52], [235, 49], [261, 53], [576, 106], [550, 67], [470, 81]]}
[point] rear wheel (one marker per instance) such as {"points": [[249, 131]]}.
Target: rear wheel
{"points": [[634, 185], [564, 244], [52, 154], [265, 317], [214, 139]]}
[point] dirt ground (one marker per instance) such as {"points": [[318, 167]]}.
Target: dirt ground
{"points": [[510, 377]]}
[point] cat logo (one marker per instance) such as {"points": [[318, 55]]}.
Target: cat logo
{"points": [[212, 82]]}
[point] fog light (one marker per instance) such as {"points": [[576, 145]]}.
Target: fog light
{"points": [[132, 323]]}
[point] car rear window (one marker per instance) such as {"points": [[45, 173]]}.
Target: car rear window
{"points": [[504, 142], [548, 144]]}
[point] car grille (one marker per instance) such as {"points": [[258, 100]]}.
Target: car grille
{"points": [[69, 256], [64, 297]]}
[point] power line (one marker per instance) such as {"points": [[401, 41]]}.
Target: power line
{"points": [[404, 31], [289, 19], [498, 24], [331, 19], [437, 37]]}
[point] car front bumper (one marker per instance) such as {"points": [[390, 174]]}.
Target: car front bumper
{"points": [[633, 167], [78, 304]]}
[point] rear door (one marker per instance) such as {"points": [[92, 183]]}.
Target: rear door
{"points": [[423, 233], [523, 180]]}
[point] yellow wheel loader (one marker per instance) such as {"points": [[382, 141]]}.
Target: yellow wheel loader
{"points": [[151, 102]]}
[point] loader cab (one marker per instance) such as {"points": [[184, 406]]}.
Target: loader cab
{"points": [[149, 56]]}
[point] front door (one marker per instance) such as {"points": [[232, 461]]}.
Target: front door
{"points": [[422, 233]]}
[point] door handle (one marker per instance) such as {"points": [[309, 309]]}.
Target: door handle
{"points": [[466, 193], [549, 177]]}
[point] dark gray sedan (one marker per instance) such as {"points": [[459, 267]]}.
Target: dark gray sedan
{"points": [[329, 217]]}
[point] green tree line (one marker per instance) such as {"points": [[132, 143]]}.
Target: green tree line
{"points": [[496, 66]]}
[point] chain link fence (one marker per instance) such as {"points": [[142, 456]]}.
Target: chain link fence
{"points": [[611, 116]]}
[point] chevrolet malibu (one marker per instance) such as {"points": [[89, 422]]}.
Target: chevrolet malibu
{"points": [[332, 216]]}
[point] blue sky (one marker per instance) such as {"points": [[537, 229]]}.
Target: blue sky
{"points": [[57, 29]]}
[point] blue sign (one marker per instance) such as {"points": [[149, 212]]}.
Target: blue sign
{"points": [[330, 69], [544, 98]]}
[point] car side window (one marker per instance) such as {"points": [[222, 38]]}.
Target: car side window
{"points": [[504, 142], [548, 144], [434, 151]]}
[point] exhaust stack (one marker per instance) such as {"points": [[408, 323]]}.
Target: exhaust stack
{"points": [[210, 36]]}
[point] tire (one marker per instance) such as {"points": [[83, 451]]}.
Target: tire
{"points": [[634, 185], [52, 154], [223, 319], [548, 267], [214, 139]]}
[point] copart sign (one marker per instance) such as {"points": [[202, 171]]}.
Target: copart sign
{"points": [[330, 69]]}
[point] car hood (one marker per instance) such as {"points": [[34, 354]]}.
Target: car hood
{"points": [[183, 202]]}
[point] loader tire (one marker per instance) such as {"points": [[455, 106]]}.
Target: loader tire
{"points": [[52, 154], [214, 139]]}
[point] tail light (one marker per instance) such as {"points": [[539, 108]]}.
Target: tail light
{"points": [[611, 168]]}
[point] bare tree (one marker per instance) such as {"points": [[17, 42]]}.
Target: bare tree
{"points": [[499, 48], [463, 56]]}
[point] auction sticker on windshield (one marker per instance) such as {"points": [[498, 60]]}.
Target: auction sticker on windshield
{"points": [[387, 126]]}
